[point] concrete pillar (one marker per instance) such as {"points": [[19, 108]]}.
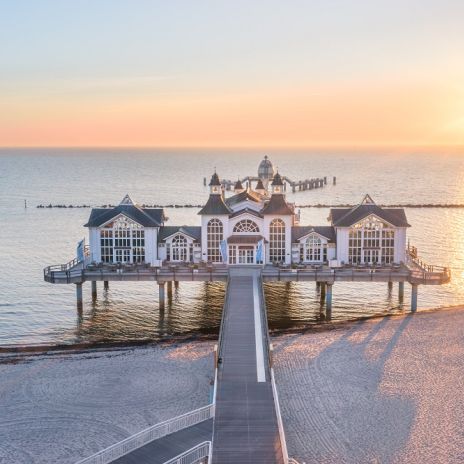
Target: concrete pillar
{"points": [[390, 286], [414, 298], [106, 285], [401, 291], [328, 298], [79, 294], [161, 295], [94, 290]]}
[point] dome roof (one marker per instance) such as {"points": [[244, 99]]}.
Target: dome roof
{"points": [[266, 169]]}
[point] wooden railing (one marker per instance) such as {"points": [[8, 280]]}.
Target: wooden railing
{"points": [[420, 270]]}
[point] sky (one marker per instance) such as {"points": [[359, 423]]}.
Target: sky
{"points": [[255, 73]]}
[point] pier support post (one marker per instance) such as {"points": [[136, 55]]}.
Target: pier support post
{"points": [[390, 286], [328, 298], [176, 284], [79, 295], [323, 287], [106, 285], [169, 290], [414, 298], [318, 286], [161, 295], [401, 291], [94, 289]]}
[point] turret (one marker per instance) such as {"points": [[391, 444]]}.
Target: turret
{"points": [[238, 187], [260, 188], [215, 185], [277, 184]]}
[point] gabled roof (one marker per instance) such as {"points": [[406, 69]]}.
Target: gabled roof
{"points": [[191, 231], [215, 205], [299, 232], [246, 211], [146, 217], [277, 206], [247, 194], [346, 217]]}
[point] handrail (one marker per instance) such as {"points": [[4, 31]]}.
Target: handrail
{"points": [[150, 434], [221, 328], [280, 423], [428, 270], [194, 455]]}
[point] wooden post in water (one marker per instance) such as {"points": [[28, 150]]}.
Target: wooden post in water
{"points": [[414, 298], [106, 285], [79, 295], [170, 290], [390, 285], [401, 291], [161, 295], [328, 301], [94, 289], [323, 286], [176, 284]]}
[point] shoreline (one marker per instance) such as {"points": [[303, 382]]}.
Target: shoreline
{"points": [[7, 351]]}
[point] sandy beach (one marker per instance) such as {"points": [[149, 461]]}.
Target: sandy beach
{"points": [[379, 391], [387, 390]]}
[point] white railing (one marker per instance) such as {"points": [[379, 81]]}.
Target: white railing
{"points": [[283, 442], [148, 435], [200, 454]]}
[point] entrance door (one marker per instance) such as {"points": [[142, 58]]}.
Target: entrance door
{"points": [[123, 255], [246, 255], [371, 256]]}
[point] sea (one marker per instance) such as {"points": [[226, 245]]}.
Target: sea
{"points": [[33, 312]]}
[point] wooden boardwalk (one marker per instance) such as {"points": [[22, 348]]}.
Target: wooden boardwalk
{"points": [[170, 446], [245, 425]]}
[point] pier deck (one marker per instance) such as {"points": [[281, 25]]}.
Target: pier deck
{"points": [[245, 424]]}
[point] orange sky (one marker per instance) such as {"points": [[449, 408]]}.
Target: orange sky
{"points": [[211, 74]]}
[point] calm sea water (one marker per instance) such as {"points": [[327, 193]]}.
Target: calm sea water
{"points": [[34, 312]]}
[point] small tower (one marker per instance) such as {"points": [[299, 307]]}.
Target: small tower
{"points": [[238, 187], [266, 171], [260, 188], [277, 185], [215, 185]]}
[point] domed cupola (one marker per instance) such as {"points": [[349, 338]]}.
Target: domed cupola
{"points": [[266, 171]]}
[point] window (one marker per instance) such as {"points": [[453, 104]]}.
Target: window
{"points": [[371, 241], [246, 225], [122, 241], [214, 237], [179, 248], [277, 241], [314, 249]]}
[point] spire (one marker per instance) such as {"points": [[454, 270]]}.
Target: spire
{"points": [[215, 185], [277, 184], [238, 185], [260, 187], [127, 200]]}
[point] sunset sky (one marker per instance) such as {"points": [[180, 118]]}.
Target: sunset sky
{"points": [[231, 73]]}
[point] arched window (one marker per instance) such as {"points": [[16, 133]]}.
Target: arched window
{"points": [[313, 248], [214, 234], [246, 225], [179, 248], [277, 241], [122, 241]]}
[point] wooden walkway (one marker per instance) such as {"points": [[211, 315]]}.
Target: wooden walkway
{"points": [[245, 425], [170, 446]]}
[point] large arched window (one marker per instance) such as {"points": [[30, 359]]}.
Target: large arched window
{"points": [[246, 225], [277, 241], [215, 231], [313, 248], [179, 248], [122, 241]]}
